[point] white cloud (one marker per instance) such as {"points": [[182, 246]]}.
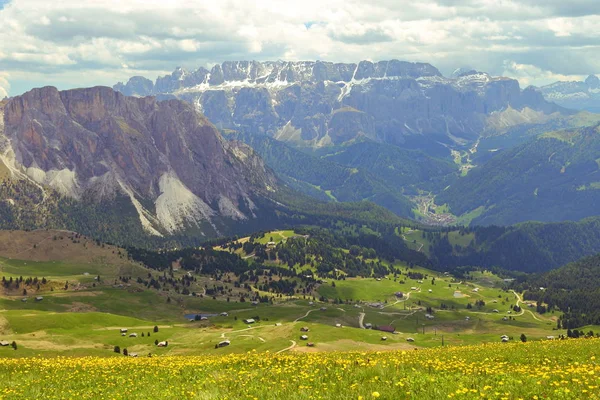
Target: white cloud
{"points": [[112, 39], [528, 74], [4, 85]]}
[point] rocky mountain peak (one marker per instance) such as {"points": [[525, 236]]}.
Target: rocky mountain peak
{"points": [[167, 158], [307, 102], [593, 82]]}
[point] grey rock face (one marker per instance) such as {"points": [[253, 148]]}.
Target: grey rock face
{"points": [[299, 101], [136, 86], [167, 157]]}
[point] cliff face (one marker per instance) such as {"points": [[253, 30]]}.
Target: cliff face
{"points": [[299, 101], [169, 160]]}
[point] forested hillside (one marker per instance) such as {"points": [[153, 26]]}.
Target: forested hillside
{"points": [[528, 247], [324, 179], [573, 289], [555, 177], [407, 169]]}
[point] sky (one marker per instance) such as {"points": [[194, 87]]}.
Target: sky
{"points": [[74, 43]]}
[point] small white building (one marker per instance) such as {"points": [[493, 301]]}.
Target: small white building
{"points": [[133, 335], [304, 337], [409, 339], [249, 321]]}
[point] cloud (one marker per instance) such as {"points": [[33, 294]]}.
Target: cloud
{"points": [[4, 85], [70, 42], [527, 74]]}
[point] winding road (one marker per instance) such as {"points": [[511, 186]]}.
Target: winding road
{"points": [[288, 348], [519, 300], [305, 315]]}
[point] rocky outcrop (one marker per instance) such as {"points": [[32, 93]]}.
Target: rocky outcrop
{"points": [[166, 157], [299, 101]]}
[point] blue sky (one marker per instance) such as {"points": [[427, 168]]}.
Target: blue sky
{"points": [[70, 43]]}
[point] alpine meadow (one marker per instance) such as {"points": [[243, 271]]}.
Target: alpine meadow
{"points": [[316, 200]]}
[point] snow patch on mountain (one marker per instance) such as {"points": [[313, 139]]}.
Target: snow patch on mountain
{"points": [[177, 205]]}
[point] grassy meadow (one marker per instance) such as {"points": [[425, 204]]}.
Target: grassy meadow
{"points": [[566, 369], [66, 341]]}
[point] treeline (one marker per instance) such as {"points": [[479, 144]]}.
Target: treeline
{"points": [[528, 247]]}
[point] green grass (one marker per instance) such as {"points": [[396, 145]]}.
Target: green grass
{"points": [[466, 218], [551, 369], [277, 236], [75, 321]]}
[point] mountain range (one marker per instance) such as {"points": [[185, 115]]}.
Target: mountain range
{"points": [[298, 141], [319, 104], [580, 95]]}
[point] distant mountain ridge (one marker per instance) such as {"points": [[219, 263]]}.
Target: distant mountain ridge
{"points": [[315, 103], [581, 95]]}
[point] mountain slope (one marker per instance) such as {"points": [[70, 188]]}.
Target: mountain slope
{"points": [[96, 145], [527, 247], [395, 166], [324, 179], [554, 177], [321, 103], [573, 289]]}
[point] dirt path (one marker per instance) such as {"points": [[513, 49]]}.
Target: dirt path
{"points": [[305, 315], [32, 247], [252, 336], [239, 330], [519, 300], [287, 348], [361, 317], [410, 241]]}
